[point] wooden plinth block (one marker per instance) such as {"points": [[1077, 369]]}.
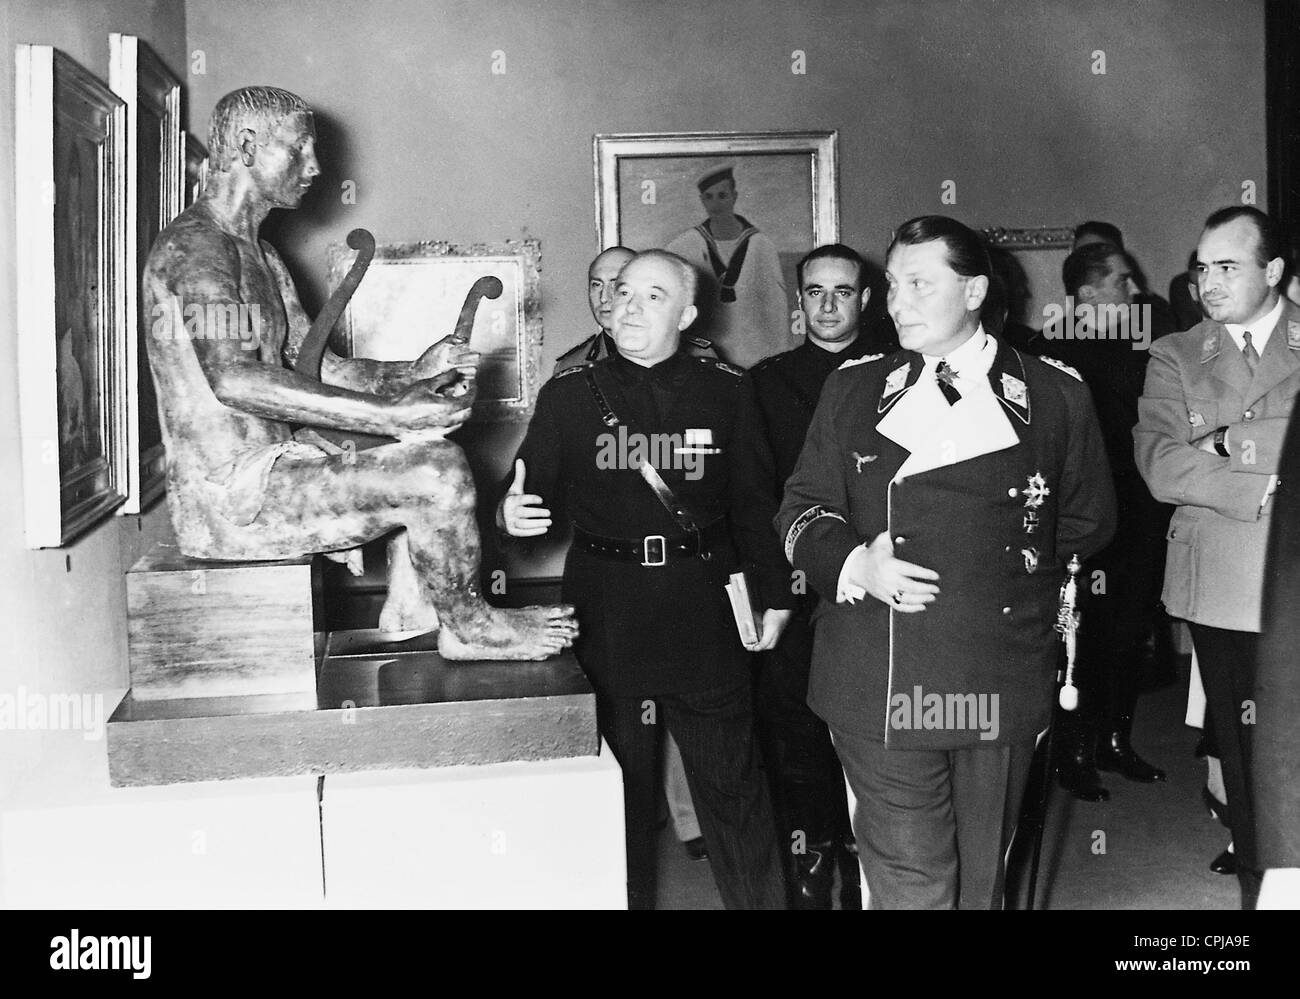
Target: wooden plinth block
{"points": [[373, 712], [199, 628]]}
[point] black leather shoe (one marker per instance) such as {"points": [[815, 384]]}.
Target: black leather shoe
{"points": [[1117, 755], [1224, 863], [814, 872], [695, 848], [1078, 774]]}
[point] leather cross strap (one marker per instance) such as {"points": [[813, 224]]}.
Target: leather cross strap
{"points": [[676, 509]]}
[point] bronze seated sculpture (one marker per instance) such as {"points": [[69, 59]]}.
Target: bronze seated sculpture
{"points": [[226, 331]]}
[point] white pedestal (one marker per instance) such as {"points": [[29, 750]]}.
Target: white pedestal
{"points": [[224, 845], [537, 835], [543, 835]]}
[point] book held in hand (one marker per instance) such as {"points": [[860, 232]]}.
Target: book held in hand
{"points": [[738, 593]]}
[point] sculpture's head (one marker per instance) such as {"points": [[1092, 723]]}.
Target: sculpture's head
{"points": [[268, 135]]}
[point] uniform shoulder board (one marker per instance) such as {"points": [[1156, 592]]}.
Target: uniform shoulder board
{"points": [[860, 360], [721, 365], [697, 341], [572, 368], [1063, 366]]}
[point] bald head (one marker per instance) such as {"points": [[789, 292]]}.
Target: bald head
{"points": [[600, 283], [653, 303]]}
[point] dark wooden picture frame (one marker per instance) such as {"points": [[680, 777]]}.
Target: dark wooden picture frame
{"points": [[71, 225]]}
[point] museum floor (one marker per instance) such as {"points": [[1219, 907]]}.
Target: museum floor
{"points": [[1158, 839]]}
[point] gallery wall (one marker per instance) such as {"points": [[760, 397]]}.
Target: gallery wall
{"points": [[1006, 99], [62, 611], [1001, 98]]}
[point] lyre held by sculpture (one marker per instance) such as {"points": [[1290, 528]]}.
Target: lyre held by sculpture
{"points": [[238, 364]]}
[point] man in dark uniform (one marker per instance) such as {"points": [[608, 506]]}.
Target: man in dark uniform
{"points": [[937, 500], [777, 399], [1122, 604], [1276, 777], [601, 276], [634, 451]]}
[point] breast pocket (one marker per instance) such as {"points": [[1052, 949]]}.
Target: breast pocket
{"points": [[1202, 417]]}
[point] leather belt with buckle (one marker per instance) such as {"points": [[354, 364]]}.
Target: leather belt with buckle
{"points": [[651, 551]]}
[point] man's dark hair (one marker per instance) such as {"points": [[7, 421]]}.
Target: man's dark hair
{"points": [[1270, 233], [833, 251], [1103, 230], [1087, 265], [967, 254]]}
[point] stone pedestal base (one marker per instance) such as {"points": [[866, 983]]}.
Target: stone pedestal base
{"points": [[378, 706], [237, 845], [545, 834]]}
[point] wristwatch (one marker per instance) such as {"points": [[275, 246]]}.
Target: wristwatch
{"points": [[1220, 442]]}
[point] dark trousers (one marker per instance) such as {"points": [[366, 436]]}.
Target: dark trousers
{"points": [[933, 826], [1227, 661], [714, 730], [1119, 621], [805, 774]]}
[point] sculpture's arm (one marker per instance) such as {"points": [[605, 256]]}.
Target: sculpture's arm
{"points": [[206, 273], [363, 374]]}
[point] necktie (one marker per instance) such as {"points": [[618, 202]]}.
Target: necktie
{"points": [[946, 376], [1249, 352]]}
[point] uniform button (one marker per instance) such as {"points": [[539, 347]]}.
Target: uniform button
{"points": [[1006, 610], [1013, 492], [1007, 548], [1248, 414], [1173, 533], [899, 540]]}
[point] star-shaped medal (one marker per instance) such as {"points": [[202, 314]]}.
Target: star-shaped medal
{"points": [[1036, 491]]}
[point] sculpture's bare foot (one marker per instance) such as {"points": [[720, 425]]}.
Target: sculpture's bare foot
{"points": [[518, 633], [407, 616]]}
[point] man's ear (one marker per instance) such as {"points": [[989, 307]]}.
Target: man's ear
{"points": [[866, 297], [1273, 271], [247, 142], [1086, 293], [688, 316], [977, 288]]}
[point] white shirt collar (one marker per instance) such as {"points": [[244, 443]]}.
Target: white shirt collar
{"points": [[972, 360], [1259, 331]]}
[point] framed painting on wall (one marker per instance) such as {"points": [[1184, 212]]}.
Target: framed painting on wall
{"points": [[196, 169], [742, 207], [413, 293], [72, 320], [155, 173], [1029, 262]]}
